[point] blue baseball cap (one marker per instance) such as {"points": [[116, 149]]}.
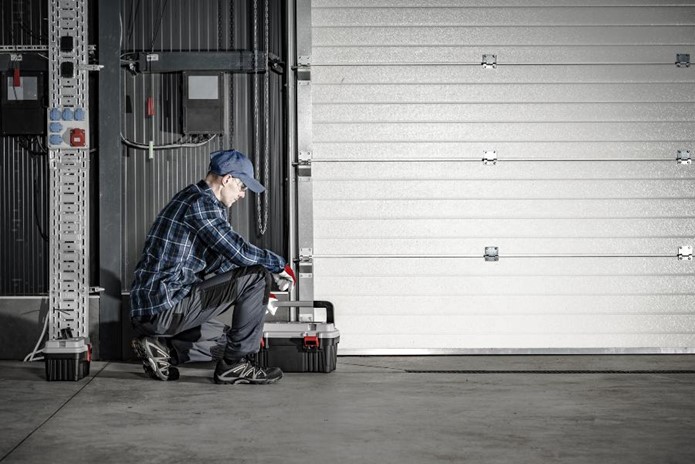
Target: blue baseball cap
{"points": [[238, 165]]}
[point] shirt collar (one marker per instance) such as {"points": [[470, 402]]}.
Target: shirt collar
{"points": [[206, 189]]}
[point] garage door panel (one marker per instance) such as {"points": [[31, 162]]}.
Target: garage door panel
{"points": [[656, 54], [414, 268], [438, 209], [448, 36], [528, 132], [421, 343], [362, 75], [455, 286], [511, 245], [500, 93], [529, 324], [434, 150], [344, 229], [504, 189], [403, 113], [485, 3], [565, 171], [496, 113], [463, 16], [539, 305]]}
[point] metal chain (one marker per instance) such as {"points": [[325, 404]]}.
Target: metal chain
{"points": [[256, 118], [266, 117]]}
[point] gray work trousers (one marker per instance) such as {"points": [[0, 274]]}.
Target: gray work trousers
{"points": [[190, 329]]}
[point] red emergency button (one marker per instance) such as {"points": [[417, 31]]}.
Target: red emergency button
{"points": [[77, 138]]}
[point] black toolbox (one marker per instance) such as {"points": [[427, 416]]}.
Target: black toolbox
{"points": [[306, 342], [67, 358]]}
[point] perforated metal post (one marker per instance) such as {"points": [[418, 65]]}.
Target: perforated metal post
{"points": [[68, 141]]}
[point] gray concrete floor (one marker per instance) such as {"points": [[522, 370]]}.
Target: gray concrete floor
{"points": [[371, 410]]}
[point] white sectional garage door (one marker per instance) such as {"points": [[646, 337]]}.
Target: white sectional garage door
{"points": [[582, 116]]}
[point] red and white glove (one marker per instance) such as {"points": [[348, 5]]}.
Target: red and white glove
{"points": [[272, 309], [285, 280]]}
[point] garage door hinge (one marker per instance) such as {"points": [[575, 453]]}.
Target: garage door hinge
{"points": [[491, 254], [683, 60], [683, 157], [685, 253], [306, 263], [489, 158], [304, 164], [304, 68], [489, 61]]}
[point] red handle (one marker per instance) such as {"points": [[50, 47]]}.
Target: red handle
{"points": [[289, 270], [150, 107]]}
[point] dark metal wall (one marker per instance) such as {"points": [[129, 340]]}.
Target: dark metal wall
{"points": [[150, 26], [150, 181], [24, 218], [23, 173]]}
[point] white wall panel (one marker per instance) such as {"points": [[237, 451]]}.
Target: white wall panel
{"points": [[586, 112]]}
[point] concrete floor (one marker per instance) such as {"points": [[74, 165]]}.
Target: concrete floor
{"points": [[369, 411]]}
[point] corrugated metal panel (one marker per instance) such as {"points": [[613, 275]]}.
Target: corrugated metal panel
{"points": [[23, 175], [585, 81], [209, 25], [23, 214]]}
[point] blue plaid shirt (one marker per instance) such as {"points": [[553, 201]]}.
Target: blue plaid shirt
{"points": [[190, 238]]}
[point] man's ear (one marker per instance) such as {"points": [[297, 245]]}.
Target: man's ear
{"points": [[226, 179]]}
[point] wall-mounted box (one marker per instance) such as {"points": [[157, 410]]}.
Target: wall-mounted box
{"points": [[22, 111], [203, 103]]}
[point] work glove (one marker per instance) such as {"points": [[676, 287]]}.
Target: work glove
{"points": [[271, 309], [285, 280]]}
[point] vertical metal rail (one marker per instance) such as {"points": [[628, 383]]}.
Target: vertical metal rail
{"points": [[291, 132], [305, 195], [68, 170]]}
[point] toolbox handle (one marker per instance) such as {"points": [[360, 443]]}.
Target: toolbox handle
{"points": [[327, 305]]}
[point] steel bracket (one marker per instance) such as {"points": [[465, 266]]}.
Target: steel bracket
{"points": [[489, 61], [683, 60], [304, 164], [490, 158], [685, 253], [491, 253], [683, 157]]}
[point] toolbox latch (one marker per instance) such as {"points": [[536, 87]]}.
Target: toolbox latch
{"points": [[311, 341]]}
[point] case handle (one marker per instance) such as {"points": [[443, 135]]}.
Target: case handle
{"points": [[327, 305]]}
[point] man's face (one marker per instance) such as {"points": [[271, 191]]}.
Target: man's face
{"points": [[232, 190]]}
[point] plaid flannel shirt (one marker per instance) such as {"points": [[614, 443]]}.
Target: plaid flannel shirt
{"points": [[190, 239]]}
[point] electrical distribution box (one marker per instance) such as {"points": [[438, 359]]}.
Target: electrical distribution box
{"points": [[203, 103], [23, 104]]}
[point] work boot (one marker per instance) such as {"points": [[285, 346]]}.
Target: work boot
{"points": [[155, 358], [245, 371]]}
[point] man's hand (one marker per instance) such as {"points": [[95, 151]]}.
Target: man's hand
{"points": [[285, 280], [271, 309]]}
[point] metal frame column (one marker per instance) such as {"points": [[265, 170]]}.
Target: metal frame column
{"points": [[68, 142], [305, 196]]}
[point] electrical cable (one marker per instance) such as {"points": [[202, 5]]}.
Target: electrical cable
{"points": [[133, 15], [28, 145], [31, 356], [159, 25], [170, 146]]}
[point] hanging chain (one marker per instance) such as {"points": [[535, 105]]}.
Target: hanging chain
{"points": [[256, 118], [266, 117]]}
